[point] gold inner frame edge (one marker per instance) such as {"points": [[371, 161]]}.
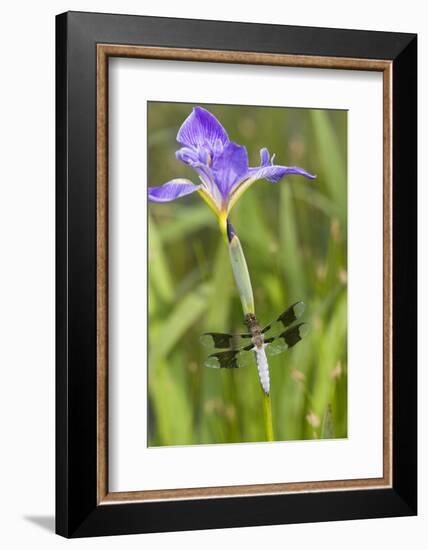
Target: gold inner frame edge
{"points": [[104, 51]]}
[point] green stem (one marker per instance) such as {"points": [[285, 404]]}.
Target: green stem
{"points": [[243, 282], [241, 274], [267, 414]]}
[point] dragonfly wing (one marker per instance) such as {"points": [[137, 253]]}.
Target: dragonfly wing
{"points": [[286, 339], [231, 359], [290, 315], [222, 340], [217, 340]]}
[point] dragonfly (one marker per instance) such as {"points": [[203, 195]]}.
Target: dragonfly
{"points": [[260, 344]]}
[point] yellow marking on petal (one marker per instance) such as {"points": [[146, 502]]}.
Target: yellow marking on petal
{"points": [[207, 198], [220, 214], [238, 192]]}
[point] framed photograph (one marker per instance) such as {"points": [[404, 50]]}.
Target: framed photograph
{"points": [[236, 274]]}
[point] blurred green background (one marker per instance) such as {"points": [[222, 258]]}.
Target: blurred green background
{"points": [[294, 239]]}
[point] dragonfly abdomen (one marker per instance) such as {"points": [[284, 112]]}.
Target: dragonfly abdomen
{"points": [[263, 369]]}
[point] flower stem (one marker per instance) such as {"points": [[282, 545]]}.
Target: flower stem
{"points": [[267, 413], [243, 282]]}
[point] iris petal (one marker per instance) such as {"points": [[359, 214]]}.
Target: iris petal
{"points": [[264, 156], [191, 158], [187, 155], [268, 171], [275, 173], [230, 168], [172, 190], [201, 128]]}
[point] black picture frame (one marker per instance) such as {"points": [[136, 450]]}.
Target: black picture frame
{"points": [[78, 513]]}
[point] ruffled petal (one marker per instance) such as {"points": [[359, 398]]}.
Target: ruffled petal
{"points": [[200, 129], [230, 168], [187, 155], [192, 158], [172, 190]]}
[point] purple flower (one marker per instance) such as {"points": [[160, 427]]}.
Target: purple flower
{"points": [[221, 164]]}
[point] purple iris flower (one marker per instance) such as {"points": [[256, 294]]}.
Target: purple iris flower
{"points": [[221, 164]]}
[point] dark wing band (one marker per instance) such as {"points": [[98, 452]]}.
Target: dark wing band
{"points": [[290, 315], [221, 340], [230, 359], [286, 340]]}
